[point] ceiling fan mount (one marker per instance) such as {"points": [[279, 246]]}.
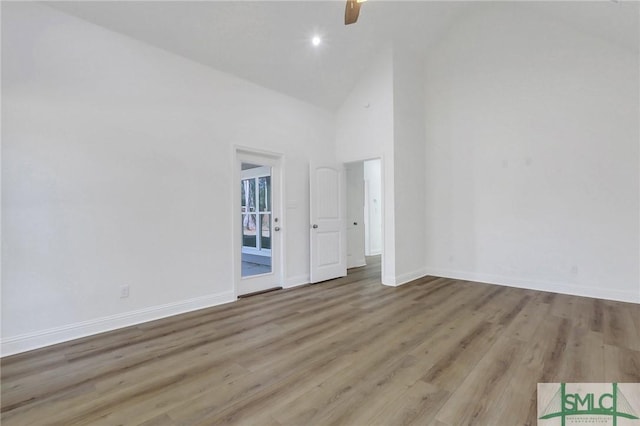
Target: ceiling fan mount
{"points": [[352, 11]]}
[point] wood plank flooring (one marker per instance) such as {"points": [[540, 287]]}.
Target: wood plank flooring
{"points": [[349, 351]]}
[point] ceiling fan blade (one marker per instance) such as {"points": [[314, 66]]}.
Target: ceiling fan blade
{"points": [[351, 12]]}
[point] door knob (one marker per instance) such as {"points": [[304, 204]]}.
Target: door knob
{"points": [[315, 226], [355, 223], [277, 228]]}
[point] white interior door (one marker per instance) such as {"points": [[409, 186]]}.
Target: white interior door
{"points": [[328, 223]]}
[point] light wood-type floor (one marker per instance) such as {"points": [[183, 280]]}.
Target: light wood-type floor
{"points": [[349, 351]]}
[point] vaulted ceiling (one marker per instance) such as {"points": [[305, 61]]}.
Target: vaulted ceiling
{"points": [[268, 42]]}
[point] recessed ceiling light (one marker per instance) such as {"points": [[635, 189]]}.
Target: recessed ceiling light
{"points": [[316, 40]]}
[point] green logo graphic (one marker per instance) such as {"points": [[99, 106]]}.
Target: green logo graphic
{"points": [[613, 404]]}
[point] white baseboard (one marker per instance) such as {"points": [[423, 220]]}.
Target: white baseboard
{"points": [[297, 280], [389, 280], [553, 287], [357, 263], [398, 280], [52, 336]]}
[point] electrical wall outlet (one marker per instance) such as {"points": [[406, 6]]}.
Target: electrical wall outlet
{"points": [[124, 291]]}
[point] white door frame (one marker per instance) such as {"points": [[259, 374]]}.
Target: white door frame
{"points": [[241, 155]]}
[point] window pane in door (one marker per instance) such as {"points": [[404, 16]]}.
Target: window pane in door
{"points": [[265, 234], [249, 195], [243, 194], [249, 230], [264, 186]]}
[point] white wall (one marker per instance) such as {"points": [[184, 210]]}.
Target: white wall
{"points": [[409, 152], [373, 207], [532, 156], [364, 130], [384, 116], [117, 169], [364, 122]]}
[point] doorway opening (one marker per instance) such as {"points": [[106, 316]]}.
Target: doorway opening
{"points": [[364, 212]]}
